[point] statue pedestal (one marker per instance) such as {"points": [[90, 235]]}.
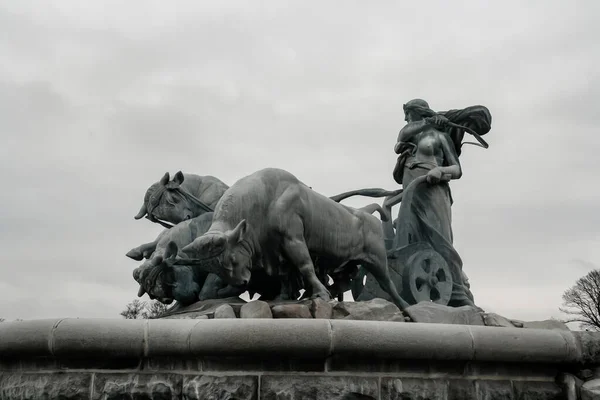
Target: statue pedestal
{"points": [[288, 359]]}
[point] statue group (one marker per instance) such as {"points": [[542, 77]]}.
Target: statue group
{"points": [[270, 234]]}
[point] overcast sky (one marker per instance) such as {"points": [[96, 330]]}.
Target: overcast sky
{"points": [[99, 99]]}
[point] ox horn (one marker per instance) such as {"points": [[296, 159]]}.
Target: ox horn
{"points": [[143, 211], [141, 291]]}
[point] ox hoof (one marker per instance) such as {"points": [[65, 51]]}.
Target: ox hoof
{"points": [[321, 295]]}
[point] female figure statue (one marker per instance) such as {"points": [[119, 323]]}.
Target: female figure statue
{"points": [[429, 145]]}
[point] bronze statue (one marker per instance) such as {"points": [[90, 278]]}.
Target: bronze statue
{"points": [[429, 146], [270, 216]]}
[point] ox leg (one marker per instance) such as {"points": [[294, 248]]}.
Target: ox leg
{"points": [[296, 251], [375, 262], [382, 275]]}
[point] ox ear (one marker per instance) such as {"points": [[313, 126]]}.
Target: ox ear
{"points": [[165, 179], [237, 234], [143, 211], [171, 251], [156, 261], [178, 178], [135, 254]]}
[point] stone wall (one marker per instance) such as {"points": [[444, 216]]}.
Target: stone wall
{"points": [[286, 359]]}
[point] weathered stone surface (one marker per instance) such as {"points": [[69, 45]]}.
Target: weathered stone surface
{"points": [[403, 341], [461, 389], [435, 313], [494, 390], [493, 319], [138, 387], [321, 309], [256, 309], [318, 388], [191, 315], [224, 311], [414, 389], [99, 337], [398, 317], [45, 386], [537, 391], [291, 311], [205, 307], [372, 310], [220, 387], [590, 390], [547, 324], [309, 338], [26, 337]]}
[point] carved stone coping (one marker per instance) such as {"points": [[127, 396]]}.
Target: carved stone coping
{"points": [[116, 338]]}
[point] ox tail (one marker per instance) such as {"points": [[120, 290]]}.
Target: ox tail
{"points": [[372, 192], [371, 208]]}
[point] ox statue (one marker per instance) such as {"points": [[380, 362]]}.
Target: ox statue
{"points": [[270, 218], [168, 202], [182, 283]]}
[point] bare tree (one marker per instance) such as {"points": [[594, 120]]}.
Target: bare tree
{"points": [[134, 310], [143, 310], [582, 301], [154, 309]]}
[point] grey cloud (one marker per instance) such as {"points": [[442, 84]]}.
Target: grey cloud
{"points": [[97, 101]]}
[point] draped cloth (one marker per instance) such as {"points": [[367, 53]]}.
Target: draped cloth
{"points": [[477, 118], [428, 218]]}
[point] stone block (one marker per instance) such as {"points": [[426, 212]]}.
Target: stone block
{"points": [[428, 312], [414, 389], [224, 311], [175, 363], [206, 307], [24, 338], [238, 387], [291, 311], [494, 390], [371, 310], [109, 338], [366, 364], [403, 341], [590, 390], [533, 390], [493, 319], [321, 309], [288, 387], [256, 309], [191, 315], [519, 345], [168, 337], [118, 363], [137, 386], [45, 386], [242, 337], [262, 363], [461, 389], [546, 324]]}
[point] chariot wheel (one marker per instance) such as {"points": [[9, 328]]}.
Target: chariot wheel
{"points": [[427, 277]]}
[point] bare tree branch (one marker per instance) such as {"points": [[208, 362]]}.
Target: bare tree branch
{"points": [[582, 301]]}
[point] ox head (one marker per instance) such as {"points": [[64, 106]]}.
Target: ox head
{"points": [[156, 276], [226, 254], [164, 201]]}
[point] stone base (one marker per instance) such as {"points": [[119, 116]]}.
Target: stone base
{"points": [[260, 359], [372, 310]]}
